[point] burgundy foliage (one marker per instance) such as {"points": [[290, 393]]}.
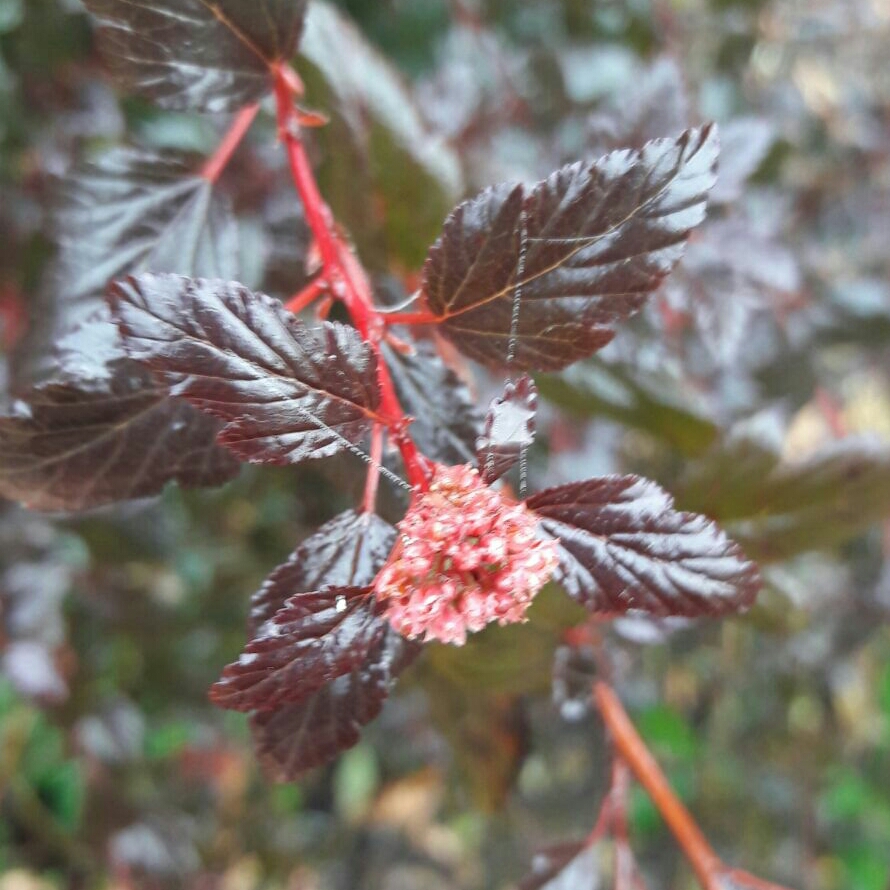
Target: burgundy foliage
{"points": [[198, 371]]}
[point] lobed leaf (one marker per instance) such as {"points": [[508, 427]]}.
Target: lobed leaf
{"points": [[72, 448], [312, 639], [287, 392], [198, 55], [345, 552], [298, 737], [579, 252], [348, 551], [622, 546], [509, 428], [446, 421]]}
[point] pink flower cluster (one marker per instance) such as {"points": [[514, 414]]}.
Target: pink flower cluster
{"points": [[465, 556]]}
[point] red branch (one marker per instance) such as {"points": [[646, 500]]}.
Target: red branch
{"points": [[410, 318], [214, 166], [306, 297], [345, 278], [712, 874], [370, 498]]}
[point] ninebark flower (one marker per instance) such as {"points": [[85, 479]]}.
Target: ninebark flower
{"points": [[466, 556]]}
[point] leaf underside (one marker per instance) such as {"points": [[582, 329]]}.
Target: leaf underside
{"points": [[579, 252], [446, 421], [623, 547], [74, 449], [287, 392], [198, 55], [509, 428]]}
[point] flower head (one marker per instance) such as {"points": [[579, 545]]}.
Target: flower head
{"points": [[465, 556]]}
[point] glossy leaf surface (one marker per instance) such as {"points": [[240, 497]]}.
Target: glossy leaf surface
{"points": [[509, 427], [623, 547], [579, 252], [125, 212], [349, 550], [312, 639], [201, 55], [286, 391], [297, 737]]}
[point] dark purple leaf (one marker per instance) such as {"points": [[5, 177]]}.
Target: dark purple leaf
{"points": [[509, 427], [348, 551], [126, 212], [568, 866], [580, 251], [313, 639], [202, 55], [298, 737], [72, 449], [446, 419], [286, 391], [623, 547]]}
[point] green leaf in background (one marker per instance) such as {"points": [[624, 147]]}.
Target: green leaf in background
{"points": [[777, 509], [385, 176], [630, 396]]}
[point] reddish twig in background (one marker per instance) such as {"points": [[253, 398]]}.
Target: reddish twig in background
{"points": [[306, 297], [711, 872], [344, 276], [214, 166]]}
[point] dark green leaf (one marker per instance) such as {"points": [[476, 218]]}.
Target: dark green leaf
{"points": [[387, 178]]}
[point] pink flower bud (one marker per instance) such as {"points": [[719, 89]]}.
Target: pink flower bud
{"points": [[466, 556]]}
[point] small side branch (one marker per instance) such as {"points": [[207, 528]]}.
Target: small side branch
{"points": [[712, 874], [214, 166]]}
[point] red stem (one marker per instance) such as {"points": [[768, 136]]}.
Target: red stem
{"points": [[306, 297], [344, 275], [410, 318], [708, 868], [370, 498], [214, 166]]}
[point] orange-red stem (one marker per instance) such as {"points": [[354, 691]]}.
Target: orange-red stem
{"points": [[344, 275], [708, 867]]}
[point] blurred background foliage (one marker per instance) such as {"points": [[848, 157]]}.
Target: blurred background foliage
{"points": [[756, 387]]}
